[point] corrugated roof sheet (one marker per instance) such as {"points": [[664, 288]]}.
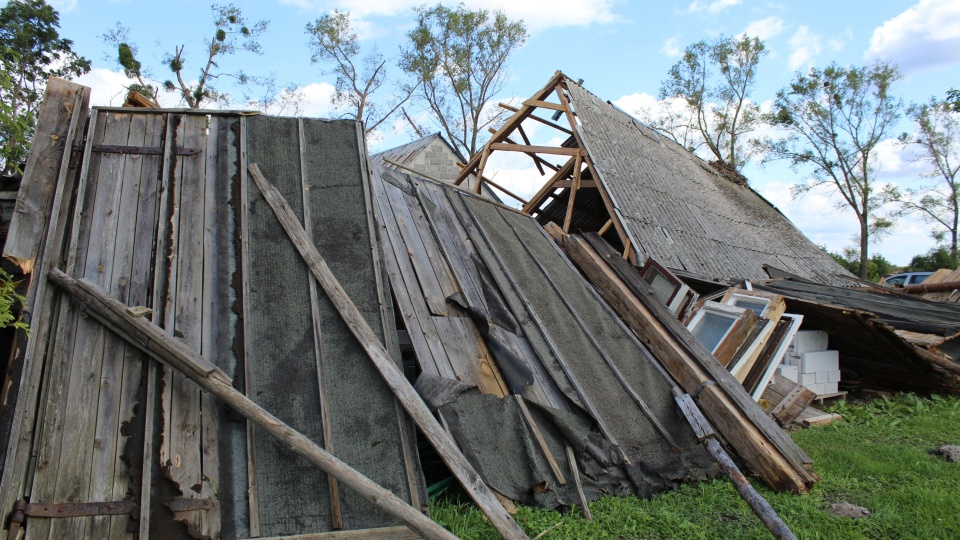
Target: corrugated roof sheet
{"points": [[681, 211]]}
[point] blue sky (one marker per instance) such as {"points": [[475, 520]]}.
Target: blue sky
{"points": [[621, 49]]}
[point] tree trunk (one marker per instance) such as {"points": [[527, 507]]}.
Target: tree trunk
{"points": [[864, 242]]}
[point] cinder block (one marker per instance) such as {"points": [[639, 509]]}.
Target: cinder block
{"points": [[807, 379], [810, 341], [833, 376], [812, 362], [821, 376], [790, 372], [830, 388], [817, 388]]}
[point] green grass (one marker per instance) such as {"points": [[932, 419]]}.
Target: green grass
{"points": [[878, 459]]}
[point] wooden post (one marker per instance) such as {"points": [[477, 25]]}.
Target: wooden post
{"points": [[481, 494], [155, 342]]}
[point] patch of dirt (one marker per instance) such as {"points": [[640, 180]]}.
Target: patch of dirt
{"points": [[848, 510], [949, 452]]}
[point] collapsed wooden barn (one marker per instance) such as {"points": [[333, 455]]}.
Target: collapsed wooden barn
{"points": [[650, 198], [169, 216]]}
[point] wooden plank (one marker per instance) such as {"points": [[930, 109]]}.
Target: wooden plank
{"points": [[575, 473], [440, 269], [157, 343], [468, 355], [536, 118], [336, 514], [413, 309], [106, 469], [568, 218], [252, 487], [822, 420], [41, 310], [538, 436], [553, 150], [57, 124], [183, 462], [543, 104], [405, 393], [163, 248], [74, 425]]}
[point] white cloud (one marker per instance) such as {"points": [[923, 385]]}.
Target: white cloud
{"points": [[671, 47], [712, 7], [765, 29], [536, 14], [316, 100], [805, 45], [924, 36], [108, 88], [636, 103]]}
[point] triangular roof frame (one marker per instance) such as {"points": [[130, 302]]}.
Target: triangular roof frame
{"points": [[579, 171]]}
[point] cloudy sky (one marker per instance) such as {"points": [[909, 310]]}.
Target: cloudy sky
{"points": [[621, 49]]}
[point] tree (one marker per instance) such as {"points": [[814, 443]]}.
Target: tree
{"points": [[714, 79], [933, 260], [938, 139], [459, 56], [230, 34], [31, 51], [877, 267], [334, 43], [832, 120]]}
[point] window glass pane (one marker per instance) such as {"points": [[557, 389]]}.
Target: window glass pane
{"points": [[756, 306], [662, 288], [711, 328]]}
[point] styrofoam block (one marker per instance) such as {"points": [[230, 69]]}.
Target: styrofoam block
{"points": [[830, 388], [833, 376], [807, 379], [790, 372], [792, 359], [810, 341], [812, 362], [817, 388], [821, 376]]}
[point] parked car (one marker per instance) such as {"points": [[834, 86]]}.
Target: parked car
{"points": [[906, 278]]}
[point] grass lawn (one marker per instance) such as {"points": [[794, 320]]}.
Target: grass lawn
{"points": [[878, 458]]}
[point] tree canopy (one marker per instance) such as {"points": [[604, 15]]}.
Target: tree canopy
{"points": [[938, 141], [832, 120], [714, 79], [230, 34], [335, 45], [31, 51], [460, 56]]}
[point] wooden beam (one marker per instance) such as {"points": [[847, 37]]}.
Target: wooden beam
{"points": [[607, 201], [571, 201], [543, 104], [549, 186], [575, 472], [155, 342], [569, 184], [557, 150], [538, 119], [538, 436], [482, 495]]}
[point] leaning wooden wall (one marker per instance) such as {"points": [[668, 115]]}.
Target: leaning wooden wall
{"points": [[163, 218]]}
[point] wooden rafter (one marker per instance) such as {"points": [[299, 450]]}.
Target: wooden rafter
{"points": [[543, 121], [543, 104], [568, 219], [557, 150], [565, 171]]}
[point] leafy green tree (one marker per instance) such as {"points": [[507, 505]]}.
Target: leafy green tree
{"points": [[877, 267], [335, 44], [938, 140], [715, 78], [230, 35], [933, 260], [31, 51], [832, 121], [460, 56]]}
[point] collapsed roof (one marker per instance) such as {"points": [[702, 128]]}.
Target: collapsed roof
{"points": [[648, 195]]}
